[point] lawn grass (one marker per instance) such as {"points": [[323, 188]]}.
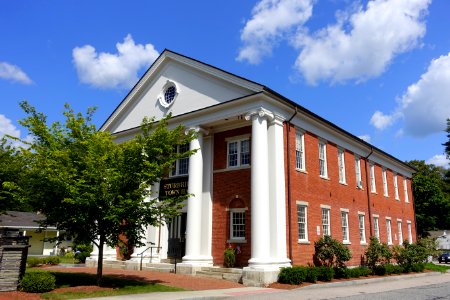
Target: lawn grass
{"points": [[121, 285], [68, 260], [437, 268]]}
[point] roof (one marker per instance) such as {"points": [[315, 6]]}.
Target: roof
{"points": [[20, 219], [258, 88]]}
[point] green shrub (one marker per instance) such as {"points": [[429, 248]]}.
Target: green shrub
{"points": [[324, 273], [69, 254], [294, 275], [229, 257], [411, 254], [379, 270], [418, 267], [354, 272], [37, 282], [393, 269], [364, 271], [34, 262], [311, 274], [82, 251], [330, 252], [377, 254], [340, 272], [51, 260]]}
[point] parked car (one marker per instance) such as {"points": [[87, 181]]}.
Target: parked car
{"points": [[444, 257]]}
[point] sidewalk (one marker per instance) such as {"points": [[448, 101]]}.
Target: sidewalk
{"points": [[317, 291]]}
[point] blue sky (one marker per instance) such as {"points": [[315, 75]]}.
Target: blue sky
{"points": [[378, 69]]}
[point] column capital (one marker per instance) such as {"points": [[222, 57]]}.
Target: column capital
{"points": [[260, 112], [197, 129], [277, 120]]}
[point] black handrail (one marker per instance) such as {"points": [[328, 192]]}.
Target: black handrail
{"points": [[151, 254]]}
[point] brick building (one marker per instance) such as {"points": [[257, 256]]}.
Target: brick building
{"points": [[270, 177]]}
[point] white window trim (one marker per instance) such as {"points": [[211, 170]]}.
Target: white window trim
{"points": [[376, 229], [358, 175], [161, 95], [373, 184], [300, 134], [409, 227], [396, 187], [328, 209], [177, 165], [385, 183], [362, 239], [238, 140], [341, 169], [389, 230], [305, 205], [345, 240], [234, 239], [325, 168], [405, 189]]}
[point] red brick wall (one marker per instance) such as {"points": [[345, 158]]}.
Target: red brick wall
{"points": [[310, 187], [229, 185]]}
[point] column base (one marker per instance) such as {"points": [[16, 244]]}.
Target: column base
{"points": [[262, 272], [192, 264]]}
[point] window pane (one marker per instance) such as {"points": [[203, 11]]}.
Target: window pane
{"points": [[326, 221], [238, 225], [245, 152], [301, 215], [344, 226], [232, 154]]}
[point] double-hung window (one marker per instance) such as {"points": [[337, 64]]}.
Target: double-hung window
{"points": [[373, 187], [323, 172], [410, 240], [405, 190], [237, 224], [300, 150], [376, 227], [396, 187], [385, 185], [302, 220], [326, 221], [362, 228], [358, 172], [238, 152], [400, 232], [181, 166], [344, 222], [341, 165], [389, 231]]}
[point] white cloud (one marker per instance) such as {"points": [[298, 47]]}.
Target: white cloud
{"points": [[7, 127], [439, 160], [365, 138], [13, 73], [382, 121], [425, 105], [107, 70], [272, 21], [362, 43]]}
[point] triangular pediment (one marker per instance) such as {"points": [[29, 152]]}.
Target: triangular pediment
{"points": [[196, 86]]}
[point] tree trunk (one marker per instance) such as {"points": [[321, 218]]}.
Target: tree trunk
{"points": [[100, 259]]}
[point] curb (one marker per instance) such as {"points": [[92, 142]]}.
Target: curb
{"points": [[368, 280]]}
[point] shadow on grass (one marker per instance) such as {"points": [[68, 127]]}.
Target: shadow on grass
{"points": [[66, 279]]}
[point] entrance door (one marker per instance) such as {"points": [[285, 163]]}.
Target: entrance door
{"points": [[177, 237]]}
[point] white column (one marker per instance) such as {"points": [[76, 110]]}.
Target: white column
{"points": [[260, 238], [194, 204], [206, 234], [277, 194]]}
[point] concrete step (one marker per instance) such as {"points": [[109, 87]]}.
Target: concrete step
{"points": [[222, 270], [228, 275], [159, 267]]}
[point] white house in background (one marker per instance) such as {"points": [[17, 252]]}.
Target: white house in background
{"points": [[15, 223], [443, 241]]}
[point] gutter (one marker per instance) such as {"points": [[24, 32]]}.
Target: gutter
{"points": [[288, 124], [367, 191]]}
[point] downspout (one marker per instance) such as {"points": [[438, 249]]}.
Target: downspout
{"points": [[288, 124], [367, 191]]}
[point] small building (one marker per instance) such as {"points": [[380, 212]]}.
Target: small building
{"points": [[443, 241], [16, 223], [269, 178]]}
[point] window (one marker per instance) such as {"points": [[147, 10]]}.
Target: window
{"points": [[344, 219], [341, 165], [373, 187], [396, 187], [410, 240], [181, 166], [405, 189], [385, 186], [239, 153], [302, 216], [325, 221], [400, 232], [323, 159], [376, 228], [237, 224], [168, 94], [300, 151], [358, 172], [362, 228], [389, 231]]}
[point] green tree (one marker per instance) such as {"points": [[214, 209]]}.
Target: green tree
{"points": [[12, 166], [96, 189], [330, 252], [447, 144], [432, 202]]}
